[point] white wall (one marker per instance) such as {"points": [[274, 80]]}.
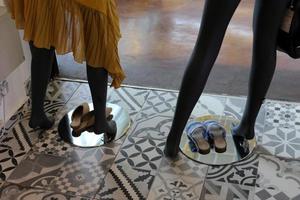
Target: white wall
{"points": [[1, 3], [16, 82]]}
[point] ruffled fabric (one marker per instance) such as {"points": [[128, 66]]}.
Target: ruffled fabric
{"points": [[87, 28]]}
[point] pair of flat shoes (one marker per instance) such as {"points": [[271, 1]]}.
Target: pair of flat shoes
{"points": [[205, 135], [84, 119]]}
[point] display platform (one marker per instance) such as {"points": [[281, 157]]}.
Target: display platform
{"points": [[90, 139], [234, 151]]}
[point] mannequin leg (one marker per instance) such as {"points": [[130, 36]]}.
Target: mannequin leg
{"points": [[216, 16], [55, 70], [41, 66], [97, 78], [268, 16]]}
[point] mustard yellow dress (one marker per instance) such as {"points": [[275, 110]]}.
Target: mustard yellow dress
{"points": [[87, 28]]}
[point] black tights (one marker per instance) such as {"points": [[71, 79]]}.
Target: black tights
{"points": [[216, 17], [41, 67]]}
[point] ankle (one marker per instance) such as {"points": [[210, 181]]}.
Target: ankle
{"points": [[244, 130], [42, 122], [105, 127]]}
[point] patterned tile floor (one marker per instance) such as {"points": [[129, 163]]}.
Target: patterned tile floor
{"points": [[38, 165]]}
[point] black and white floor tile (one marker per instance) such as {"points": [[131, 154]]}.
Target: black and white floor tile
{"points": [[271, 194], [39, 165], [82, 94], [125, 182], [37, 170], [281, 142], [155, 127], [283, 115], [281, 175], [155, 119], [61, 90], [215, 190], [16, 192], [172, 186], [141, 153], [79, 178], [15, 144], [183, 166], [61, 174], [52, 144], [10, 158], [178, 179], [242, 173], [160, 103], [129, 98]]}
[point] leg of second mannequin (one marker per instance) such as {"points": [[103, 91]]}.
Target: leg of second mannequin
{"points": [[216, 17], [267, 20]]}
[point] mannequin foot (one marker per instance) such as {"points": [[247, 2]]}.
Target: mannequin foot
{"points": [[171, 149], [245, 131], [41, 122], [242, 145], [110, 130]]}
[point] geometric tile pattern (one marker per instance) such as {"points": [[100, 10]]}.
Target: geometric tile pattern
{"points": [[37, 170], [155, 118], [123, 182], [286, 115], [129, 98], [16, 192], [141, 153], [223, 191], [10, 159], [242, 173], [60, 174], [39, 165], [155, 127], [79, 178], [279, 174], [161, 103], [178, 179], [169, 186], [269, 194], [82, 94], [282, 142], [52, 144], [183, 166], [55, 88]]}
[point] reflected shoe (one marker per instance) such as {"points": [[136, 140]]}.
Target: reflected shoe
{"points": [[217, 135], [77, 115], [193, 147], [88, 121], [241, 145], [196, 133]]}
